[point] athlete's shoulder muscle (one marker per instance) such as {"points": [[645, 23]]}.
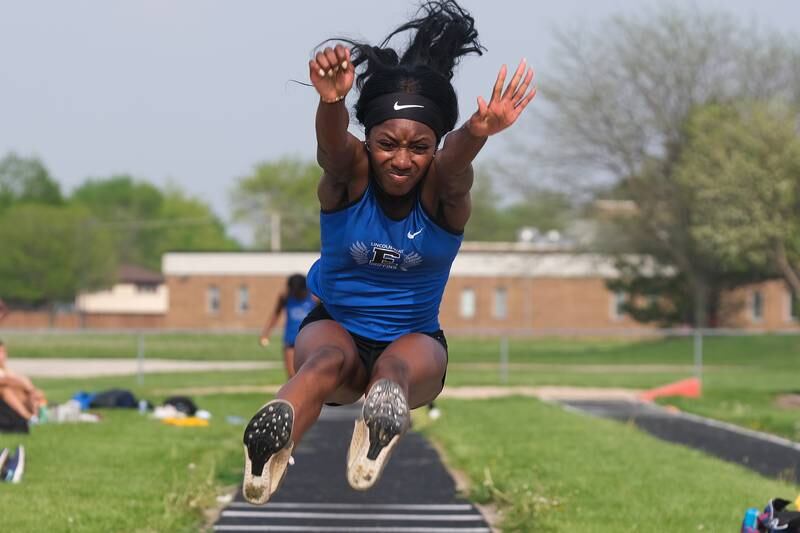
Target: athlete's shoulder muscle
{"points": [[448, 197], [339, 164], [339, 188]]}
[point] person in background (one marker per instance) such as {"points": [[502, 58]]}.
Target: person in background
{"points": [[17, 391], [297, 301]]}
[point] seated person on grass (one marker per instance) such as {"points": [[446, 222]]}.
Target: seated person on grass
{"points": [[17, 391]]}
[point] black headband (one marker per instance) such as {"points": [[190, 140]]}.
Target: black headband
{"points": [[403, 105]]}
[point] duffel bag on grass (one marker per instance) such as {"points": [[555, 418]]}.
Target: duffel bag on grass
{"points": [[775, 519]]}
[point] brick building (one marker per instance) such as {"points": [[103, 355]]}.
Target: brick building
{"points": [[492, 288], [138, 299]]}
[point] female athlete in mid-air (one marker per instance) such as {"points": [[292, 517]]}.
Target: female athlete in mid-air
{"points": [[393, 212]]}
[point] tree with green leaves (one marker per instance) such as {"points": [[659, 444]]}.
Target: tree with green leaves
{"points": [[26, 180], [742, 163], [129, 207], [495, 220], [620, 99], [661, 297], [285, 191], [51, 253], [147, 221], [189, 224]]}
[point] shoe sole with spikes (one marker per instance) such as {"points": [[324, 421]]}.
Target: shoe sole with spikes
{"points": [[267, 450], [384, 419]]}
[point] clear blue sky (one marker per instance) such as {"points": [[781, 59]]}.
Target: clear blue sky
{"points": [[196, 92]]}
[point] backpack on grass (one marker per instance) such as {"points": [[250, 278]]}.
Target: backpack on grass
{"points": [[775, 519], [114, 398]]}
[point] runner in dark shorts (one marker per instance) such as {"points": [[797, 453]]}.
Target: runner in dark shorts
{"points": [[393, 211]]}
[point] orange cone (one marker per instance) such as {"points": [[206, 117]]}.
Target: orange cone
{"points": [[688, 388]]}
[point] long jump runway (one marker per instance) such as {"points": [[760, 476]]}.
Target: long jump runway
{"points": [[767, 454], [415, 494]]}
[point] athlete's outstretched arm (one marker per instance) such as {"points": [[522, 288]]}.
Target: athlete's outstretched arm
{"points": [[332, 75], [454, 160]]}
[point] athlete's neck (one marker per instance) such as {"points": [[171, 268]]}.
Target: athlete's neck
{"points": [[395, 207]]}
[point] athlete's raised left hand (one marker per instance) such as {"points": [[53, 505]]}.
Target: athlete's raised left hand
{"points": [[506, 105], [332, 73]]}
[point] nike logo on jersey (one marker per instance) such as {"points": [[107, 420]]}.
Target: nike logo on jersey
{"points": [[412, 235], [398, 107]]}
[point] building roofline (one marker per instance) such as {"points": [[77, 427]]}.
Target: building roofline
{"points": [[128, 273], [470, 263]]}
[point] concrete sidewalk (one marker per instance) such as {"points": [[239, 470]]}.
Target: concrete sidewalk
{"points": [[68, 368], [416, 494]]}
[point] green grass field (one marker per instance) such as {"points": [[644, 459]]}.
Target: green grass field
{"points": [[756, 350], [546, 469], [552, 471], [743, 375], [125, 474]]}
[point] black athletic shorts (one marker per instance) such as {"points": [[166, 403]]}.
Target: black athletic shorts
{"points": [[368, 350]]}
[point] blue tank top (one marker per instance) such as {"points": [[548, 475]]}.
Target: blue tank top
{"points": [[296, 311], [382, 278]]}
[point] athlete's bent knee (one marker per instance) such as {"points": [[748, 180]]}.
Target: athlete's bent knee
{"points": [[391, 365], [328, 360]]}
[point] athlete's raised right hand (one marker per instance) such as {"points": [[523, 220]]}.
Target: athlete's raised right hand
{"points": [[332, 73]]}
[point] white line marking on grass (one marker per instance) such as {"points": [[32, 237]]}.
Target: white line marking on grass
{"points": [[371, 506], [656, 410], [774, 439], [569, 408], [353, 516], [334, 529]]}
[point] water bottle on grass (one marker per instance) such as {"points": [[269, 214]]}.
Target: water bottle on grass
{"points": [[750, 522]]}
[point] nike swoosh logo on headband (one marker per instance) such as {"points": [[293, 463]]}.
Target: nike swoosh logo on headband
{"points": [[398, 107]]}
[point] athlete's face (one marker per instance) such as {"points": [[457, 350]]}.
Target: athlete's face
{"points": [[401, 150]]}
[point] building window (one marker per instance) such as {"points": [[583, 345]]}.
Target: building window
{"points": [[618, 305], [212, 299], [243, 299], [500, 309], [792, 306], [467, 308], [757, 306], [146, 288]]}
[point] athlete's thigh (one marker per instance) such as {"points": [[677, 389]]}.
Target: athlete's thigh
{"points": [[320, 335], [426, 360]]}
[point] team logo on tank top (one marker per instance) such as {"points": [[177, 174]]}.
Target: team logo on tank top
{"points": [[383, 255]]}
